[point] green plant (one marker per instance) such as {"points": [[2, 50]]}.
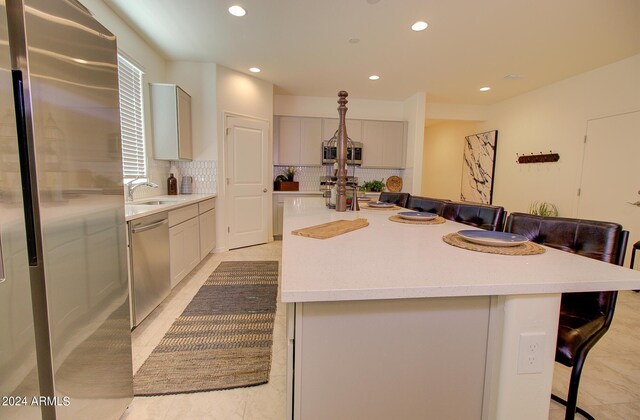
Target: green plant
{"points": [[375, 185], [544, 209], [290, 172]]}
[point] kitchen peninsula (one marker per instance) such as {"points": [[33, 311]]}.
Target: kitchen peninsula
{"points": [[389, 321]]}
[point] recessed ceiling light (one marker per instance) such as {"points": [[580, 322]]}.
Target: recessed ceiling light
{"points": [[254, 70], [484, 89], [419, 26], [374, 77], [513, 77], [80, 60], [237, 11], [354, 40], [373, 1]]}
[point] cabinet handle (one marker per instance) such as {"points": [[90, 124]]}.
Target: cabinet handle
{"points": [[265, 190]]}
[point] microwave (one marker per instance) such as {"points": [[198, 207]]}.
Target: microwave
{"points": [[330, 153]]}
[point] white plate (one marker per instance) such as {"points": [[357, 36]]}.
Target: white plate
{"points": [[417, 215], [486, 237], [381, 204]]}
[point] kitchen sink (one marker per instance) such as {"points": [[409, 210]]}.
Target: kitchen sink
{"points": [[158, 202]]}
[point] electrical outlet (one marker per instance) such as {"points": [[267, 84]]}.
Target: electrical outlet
{"points": [[530, 352]]}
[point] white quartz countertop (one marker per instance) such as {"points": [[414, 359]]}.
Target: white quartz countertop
{"points": [[389, 260], [136, 209]]}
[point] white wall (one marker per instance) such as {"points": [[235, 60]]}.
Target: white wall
{"points": [[240, 94], [153, 64], [442, 158], [199, 81], [552, 118]]}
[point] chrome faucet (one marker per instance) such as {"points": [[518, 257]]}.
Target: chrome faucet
{"points": [[130, 187]]}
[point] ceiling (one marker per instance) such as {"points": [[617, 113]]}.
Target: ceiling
{"points": [[303, 48]]}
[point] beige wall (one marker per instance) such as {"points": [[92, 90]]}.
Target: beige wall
{"points": [[240, 94], [442, 158], [327, 107], [199, 81], [133, 46], [552, 118]]}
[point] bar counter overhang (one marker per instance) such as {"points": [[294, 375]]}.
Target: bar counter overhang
{"points": [[389, 321]]}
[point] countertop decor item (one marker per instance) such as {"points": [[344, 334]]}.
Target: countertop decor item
{"points": [[374, 186], [394, 183], [331, 229], [186, 187], [172, 185], [196, 354]]}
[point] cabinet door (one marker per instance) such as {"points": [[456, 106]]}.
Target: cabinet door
{"points": [[393, 144], [177, 257], [310, 141], [278, 210], [192, 243], [330, 125], [184, 125], [207, 232], [372, 140], [289, 141]]}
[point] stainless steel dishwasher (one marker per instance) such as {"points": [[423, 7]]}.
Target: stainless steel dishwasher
{"points": [[150, 274]]}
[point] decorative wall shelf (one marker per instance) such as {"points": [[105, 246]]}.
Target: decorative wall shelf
{"points": [[539, 158]]}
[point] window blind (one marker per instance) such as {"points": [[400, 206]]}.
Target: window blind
{"points": [[131, 119]]}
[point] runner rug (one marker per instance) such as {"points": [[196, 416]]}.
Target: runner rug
{"points": [[223, 338]]}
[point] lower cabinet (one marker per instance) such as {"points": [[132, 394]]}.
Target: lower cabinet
{"points": [[207, 232], [192, 235]]}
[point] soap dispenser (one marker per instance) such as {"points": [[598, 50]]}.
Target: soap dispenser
{"points": [[172, 185]]}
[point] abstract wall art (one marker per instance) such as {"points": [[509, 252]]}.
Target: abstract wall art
{"points": [[478, 167]]}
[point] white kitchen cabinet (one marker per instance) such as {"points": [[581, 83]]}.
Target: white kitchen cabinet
{"points": [[184, 242], [171, 122], [384, 144], [330, 125], [299, 141], [207, 220]]}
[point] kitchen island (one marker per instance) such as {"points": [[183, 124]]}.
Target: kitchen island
{"points": [[389, 321]]}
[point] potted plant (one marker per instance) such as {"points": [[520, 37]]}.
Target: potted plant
{"points": [[374, 186], [544, 209], [285, 181]]}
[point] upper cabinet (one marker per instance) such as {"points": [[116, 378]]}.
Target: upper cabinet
{"points": [[384, 144], [171, 121], [330, 126], [298, 141]]}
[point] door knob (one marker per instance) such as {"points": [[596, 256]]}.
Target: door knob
{"points": [[265, 190]]}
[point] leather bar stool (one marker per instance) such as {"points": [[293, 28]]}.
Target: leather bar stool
{"points": [[399, 199], [633, 257], [584, 317]]}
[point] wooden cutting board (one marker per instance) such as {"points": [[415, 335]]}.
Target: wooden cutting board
{"points": [[331, 229]]}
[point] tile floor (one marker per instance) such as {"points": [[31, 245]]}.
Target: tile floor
{"points": [[610, 387]]}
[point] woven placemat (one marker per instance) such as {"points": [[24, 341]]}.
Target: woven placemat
{"points": [[437, 221], [368, 207], [527, 248]]}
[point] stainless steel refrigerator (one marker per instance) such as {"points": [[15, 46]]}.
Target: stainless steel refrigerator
{"points": [[65, 342]]}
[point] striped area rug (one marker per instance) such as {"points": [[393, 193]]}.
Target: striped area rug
{"points": [[223, 338]]}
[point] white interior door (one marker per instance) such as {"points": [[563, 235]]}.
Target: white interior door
{"points": [[248, 178], [610, 181]]}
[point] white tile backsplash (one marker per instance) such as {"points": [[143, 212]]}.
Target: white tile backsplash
{"points": [[204, 173]]}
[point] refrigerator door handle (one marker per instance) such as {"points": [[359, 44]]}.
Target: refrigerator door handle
{"points": [[25, 167], [2, 277]]}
